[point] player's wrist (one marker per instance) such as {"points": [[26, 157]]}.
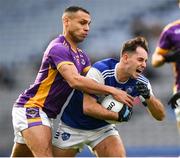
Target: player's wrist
{"points": [[112, 91]]}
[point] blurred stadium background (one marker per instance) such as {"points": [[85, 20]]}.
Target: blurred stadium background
{"points": [[26, 27]]}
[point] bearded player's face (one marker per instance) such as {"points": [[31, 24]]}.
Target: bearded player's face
{"points": [[78, 27]]}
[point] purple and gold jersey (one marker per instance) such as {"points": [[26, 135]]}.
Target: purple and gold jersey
{"points": [[170, 41], [50, 91]]}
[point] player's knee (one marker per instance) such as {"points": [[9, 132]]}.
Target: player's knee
{"points": [[123, 153], [42, 151]]}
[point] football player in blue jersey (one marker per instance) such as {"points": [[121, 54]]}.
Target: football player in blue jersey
{"points": [[83, 119], [59, 75]]}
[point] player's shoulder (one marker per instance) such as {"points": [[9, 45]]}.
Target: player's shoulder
{"points": [[57, 45], [143, 79], [105, 64], [172, 25]]}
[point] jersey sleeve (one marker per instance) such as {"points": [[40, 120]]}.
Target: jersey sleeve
{"points": [[96, 75], [60, 55], [150, 88]]}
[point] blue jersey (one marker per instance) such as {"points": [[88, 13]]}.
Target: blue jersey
{"points": [[103, 72]]}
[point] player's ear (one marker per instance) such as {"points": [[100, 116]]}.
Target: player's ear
{"points": [[125, 57], [65, 19]]}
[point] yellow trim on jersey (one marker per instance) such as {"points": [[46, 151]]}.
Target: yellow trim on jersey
{"points": [[43, 90], [161, 51], [86, 69], [64, 62], [31, 120]]}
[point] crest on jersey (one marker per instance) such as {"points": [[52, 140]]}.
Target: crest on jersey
{"points": [[32, 112], [83, 62], [65, 136], [129, 90]]}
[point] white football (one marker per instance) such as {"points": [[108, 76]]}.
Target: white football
{"points": [[113, 105]]}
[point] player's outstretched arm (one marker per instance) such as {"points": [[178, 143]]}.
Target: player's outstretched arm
{"points": [[156, 108], [157, 60], [76, 81], [154, 105]]}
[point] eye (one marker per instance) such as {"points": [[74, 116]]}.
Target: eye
{"points": [[142, 60], [83, 22]]}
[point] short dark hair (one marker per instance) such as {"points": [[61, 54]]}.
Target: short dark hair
{"points": [[74, 9], [132, 44]]}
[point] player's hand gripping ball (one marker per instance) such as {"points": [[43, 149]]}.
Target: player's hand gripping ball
{"points": [[123, 110], [174, 102]]}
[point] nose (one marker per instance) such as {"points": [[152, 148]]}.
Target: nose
{"points": [[144, 64], [86, 28]]}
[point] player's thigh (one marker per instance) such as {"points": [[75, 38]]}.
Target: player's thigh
{"points": [[68, 141], [39, 140], [21, 150], [111, 146], [58, 152]]}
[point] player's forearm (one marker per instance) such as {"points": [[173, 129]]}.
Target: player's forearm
{"points": [[156, 108], [90, 86], [95, 110], [157, 60]]}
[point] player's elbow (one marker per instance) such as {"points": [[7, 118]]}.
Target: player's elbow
{"points": [[155, 63], [160, 116], [157, 60]]}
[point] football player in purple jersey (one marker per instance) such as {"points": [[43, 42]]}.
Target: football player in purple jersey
{"points": [[62, 69], [168, 51]]}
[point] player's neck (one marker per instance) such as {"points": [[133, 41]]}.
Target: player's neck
{"points": [[122, 76], [72, 43]]}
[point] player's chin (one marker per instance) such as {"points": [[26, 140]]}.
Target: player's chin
{"points": [[81, 39]]}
